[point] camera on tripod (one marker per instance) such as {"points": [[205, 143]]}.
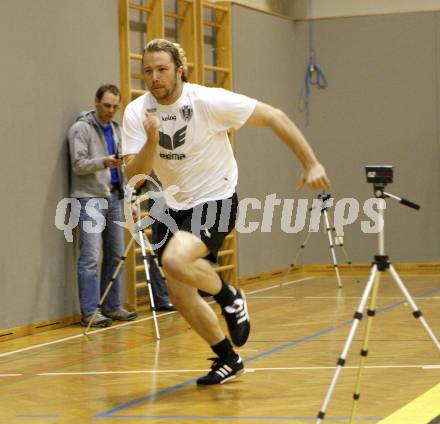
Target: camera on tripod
{"points": [[379, 174]]}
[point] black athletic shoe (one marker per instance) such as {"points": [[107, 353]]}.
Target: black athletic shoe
{"points": [[237, 318], [204, 294], [168, 307], [222, 371]]}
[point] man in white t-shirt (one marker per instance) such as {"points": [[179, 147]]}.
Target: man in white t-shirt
{"points": [[180, 130]]}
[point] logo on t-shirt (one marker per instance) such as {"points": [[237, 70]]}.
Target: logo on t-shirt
{"points": [[176, 141], [186, 112], [169, 118], [171, 143]]}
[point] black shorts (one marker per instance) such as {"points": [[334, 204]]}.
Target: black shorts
{"points": [[211, 222]]}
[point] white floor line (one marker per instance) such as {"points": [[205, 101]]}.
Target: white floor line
{"points": [[280, 285], [316, 368], [358, 297], [345, 367], [275, 297], [55, 374], [77, 336], [11, 375]]}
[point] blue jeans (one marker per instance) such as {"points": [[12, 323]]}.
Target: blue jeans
{"points": [[158, 285], [99, 238]]}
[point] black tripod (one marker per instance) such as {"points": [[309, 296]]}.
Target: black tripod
{"points": [[380, 264], [333, 239]]}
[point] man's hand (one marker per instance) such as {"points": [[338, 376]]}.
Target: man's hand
{"points": [[143, 161], [112, 162], [315, 177], [151, 124]]}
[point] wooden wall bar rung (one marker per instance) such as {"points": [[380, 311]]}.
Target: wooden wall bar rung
{"points": [[139, 8], [214, 6], [225, 252], [212, 68], [135, 56], [212, 24], [223, 268], [175, 16], [136, 93], [139, 77]]}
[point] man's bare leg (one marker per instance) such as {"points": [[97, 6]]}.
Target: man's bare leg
{"points": [[182, 260], [195, 311], [186, 271], [183, 264]]}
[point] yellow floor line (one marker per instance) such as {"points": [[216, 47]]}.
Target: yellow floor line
{"points": [[423, 410]]}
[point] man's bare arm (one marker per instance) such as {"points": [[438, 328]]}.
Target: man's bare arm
{"points": [[314, 174], [143, 162]]}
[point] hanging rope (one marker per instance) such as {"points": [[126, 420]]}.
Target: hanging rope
{"points": [[314, 75]]}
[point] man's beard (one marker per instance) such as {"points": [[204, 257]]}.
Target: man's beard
{"points": [[168, 92]]}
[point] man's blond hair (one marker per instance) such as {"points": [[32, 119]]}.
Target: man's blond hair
{"points": [[175, 50]]}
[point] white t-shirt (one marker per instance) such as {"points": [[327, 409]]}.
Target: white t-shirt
{"points": [[194, 159]]}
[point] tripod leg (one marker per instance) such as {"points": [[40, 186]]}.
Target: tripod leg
{"points": [[298, 254], [147, 276], [417, 313], [364, 351], [332, 247], [347, 258], [341, 245], [154, 257], [109, 285], [300, 250], [147, 270], [341, 360]]}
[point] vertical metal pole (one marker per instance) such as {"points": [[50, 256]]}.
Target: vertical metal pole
{"points": [[146, 266], [381, 208], [332, 247]]}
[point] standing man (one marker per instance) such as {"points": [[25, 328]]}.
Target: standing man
{"points": [[95, 143], [180, 130]]}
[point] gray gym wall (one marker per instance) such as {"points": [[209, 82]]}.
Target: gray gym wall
{"points": [[55, 53], [381, 107]]}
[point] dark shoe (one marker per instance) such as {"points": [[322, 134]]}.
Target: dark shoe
{"points": [[100, 320], [237, 318], [120, 314], [222, 371], [204, 294], [168, 308]]}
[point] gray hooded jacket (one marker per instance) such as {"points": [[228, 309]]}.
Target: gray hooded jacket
{"points": [[88, 148]]}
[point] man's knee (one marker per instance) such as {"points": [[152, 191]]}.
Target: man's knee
{"points": [[179, 254], [173, 265]]}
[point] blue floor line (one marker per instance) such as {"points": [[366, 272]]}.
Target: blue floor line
{"points": [[127, 405]]}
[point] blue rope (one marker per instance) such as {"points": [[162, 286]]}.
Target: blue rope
{"points": [[314, 75]]}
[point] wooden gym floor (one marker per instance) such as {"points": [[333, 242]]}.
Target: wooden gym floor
{"points": [[299, 326]]}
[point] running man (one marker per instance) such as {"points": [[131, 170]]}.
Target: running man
{"points": [[180, 129]]}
